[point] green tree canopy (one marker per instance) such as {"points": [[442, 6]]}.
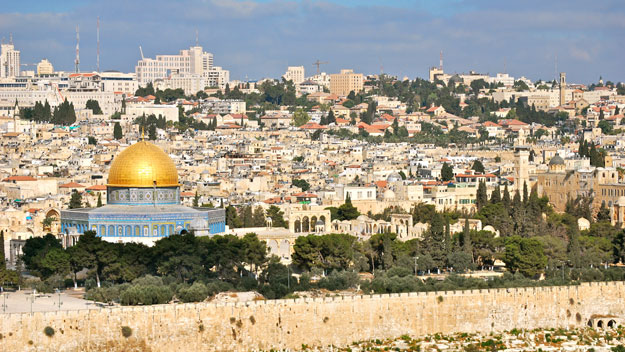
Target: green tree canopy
{"points": [[525, 255], [447, 172], [94, 105], [117, 131]]}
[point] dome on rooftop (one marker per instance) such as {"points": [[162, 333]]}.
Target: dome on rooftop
{"points": [[143, 164], [394, 177], [556, 160]]}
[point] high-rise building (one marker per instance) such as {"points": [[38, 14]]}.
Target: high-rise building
{"points": [[346, 81], [191, 61], [44, 67], [9, 61], [295, 74]]}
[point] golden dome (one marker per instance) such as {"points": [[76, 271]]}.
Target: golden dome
{"points": [[140, 165]]}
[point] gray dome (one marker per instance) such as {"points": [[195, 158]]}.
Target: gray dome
{"points": [[455, 79], [556, 160], [394, 177]]}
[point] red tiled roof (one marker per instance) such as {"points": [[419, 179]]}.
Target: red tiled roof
{"points": [[72, 185], [96, 188], [512, 122], [432, 109], [491, 124], [471, 176], [19, 178], [381, 184], [274, 200], [305, 195], [82, 74], [312, 126]]}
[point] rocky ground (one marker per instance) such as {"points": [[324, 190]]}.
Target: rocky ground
{"points": [[513, 341]]}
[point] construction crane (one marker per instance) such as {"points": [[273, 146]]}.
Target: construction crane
{"points": [[319, 63]]}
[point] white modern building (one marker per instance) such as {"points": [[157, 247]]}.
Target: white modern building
{"points": [[9, 61], [228, 106], [169, 112], [114, 81], [190, 61]]}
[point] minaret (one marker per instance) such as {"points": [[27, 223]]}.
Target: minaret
{"points": [[16, 113], [562, 88], [522, 167]]}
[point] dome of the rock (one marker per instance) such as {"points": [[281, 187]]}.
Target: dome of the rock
{"points": [[143, 164]]}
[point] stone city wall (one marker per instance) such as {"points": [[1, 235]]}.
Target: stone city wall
{"points": [[281, 324]]}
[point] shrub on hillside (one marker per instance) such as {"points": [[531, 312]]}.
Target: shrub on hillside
{"points": [[145, 295], [195, 293], [339, 280]]}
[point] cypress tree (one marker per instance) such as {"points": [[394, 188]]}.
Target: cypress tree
{"points": [[248, 216], [196, 200], [75, 201], [574, 248], [323, 121], [467, 246], [117, 131], [495, 197], [2, 257], [506, 199], [259, 217], [481, 197], [525, 195], [331, 117], [99, 200]]}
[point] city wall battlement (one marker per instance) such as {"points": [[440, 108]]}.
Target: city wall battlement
{"points": [[289, 323]]}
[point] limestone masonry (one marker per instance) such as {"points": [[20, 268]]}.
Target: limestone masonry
{"points": [[283, 324]]}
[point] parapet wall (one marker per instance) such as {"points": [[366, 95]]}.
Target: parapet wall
{"points": [[281, 324]]}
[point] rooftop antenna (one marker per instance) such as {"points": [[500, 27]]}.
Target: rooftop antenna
{"points": [[555, 73], [440, 62], [196, 38], [11, 38], [77, 61], [98, 52], [141, 51], [504, 65]]}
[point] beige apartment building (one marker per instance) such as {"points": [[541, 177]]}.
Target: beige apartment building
{"points": [[44, 67], [295, 74], [346, 81]]}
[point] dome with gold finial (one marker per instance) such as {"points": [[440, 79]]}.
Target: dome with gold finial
{"points": [[143, 164]]}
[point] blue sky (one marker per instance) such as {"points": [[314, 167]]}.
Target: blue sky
{"points": [[259, 38]]}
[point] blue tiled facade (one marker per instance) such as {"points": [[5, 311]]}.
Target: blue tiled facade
{"points": [[143, 215]]}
